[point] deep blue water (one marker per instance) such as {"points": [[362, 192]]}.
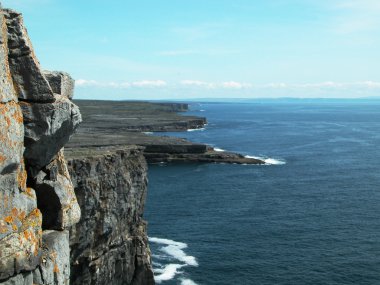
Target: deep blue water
{"points": [[314, 220]]}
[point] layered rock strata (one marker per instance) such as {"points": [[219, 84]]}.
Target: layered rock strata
{"points": [[39, 212], [109, 245], [37, 199]]}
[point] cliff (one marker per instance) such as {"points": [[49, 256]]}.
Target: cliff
{"points": [[40, 217], [38, 204], [114, 123], [109, 245]]}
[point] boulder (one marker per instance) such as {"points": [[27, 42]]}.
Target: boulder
{"points": [[61, 83], [48, 126]]}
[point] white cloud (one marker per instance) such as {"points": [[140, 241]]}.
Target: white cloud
{"points": [[235, 85], [149, 83], [328, 85], [324, 85], [120, 85], [198, 83], [214, 85]]}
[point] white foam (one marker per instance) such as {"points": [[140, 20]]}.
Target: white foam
{"points": [[268, 161], [195, 130], [166, 241], [172, 250], [202, 110], [188, 282], [168, 272], [218, 149], [175, 250], [148, 133]]}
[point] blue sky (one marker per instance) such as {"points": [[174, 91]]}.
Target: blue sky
{"points": [[179, 49]]}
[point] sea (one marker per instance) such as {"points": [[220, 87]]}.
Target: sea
{"points": [[310, 215]]}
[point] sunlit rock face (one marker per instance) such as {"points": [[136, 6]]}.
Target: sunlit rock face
{"points": [[39, 209], [37, 199]]}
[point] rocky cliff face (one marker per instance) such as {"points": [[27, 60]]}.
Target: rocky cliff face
{"points": [[38, 203], [39, 211], [109, 245]]}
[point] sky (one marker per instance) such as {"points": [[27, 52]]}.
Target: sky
{"points": [[183, 49]]}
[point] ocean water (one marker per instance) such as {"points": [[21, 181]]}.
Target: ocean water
{"points": [[311, 216]]}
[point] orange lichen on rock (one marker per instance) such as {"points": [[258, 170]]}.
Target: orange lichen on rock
{"points": [[8, 220], [15, 212], [21, 215], [2, 158], [56, 269], [18, 116], [21, 178]]}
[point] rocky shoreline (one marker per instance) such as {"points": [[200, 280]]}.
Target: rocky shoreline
{"points": [[121, 123]]}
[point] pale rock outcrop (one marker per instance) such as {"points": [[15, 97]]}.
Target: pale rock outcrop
{"points": [[61, 83], [29, 81], [28, 254], [48, 127], [20, 220], [39, 210]]}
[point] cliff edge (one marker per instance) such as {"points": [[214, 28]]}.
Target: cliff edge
{"points": [[40, 217], [38, 203]]}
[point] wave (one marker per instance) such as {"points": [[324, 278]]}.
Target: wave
{"points": [[148, 133], [268, 161], [167, 273], [195, 130], [173, 251], [188, 282], [218, 149]]}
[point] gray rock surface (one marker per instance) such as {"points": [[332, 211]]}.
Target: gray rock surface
{"points": [[55, 195], [61, 83], [48, 126], [55, 265], [23, 244], [38, 205], [109, 245], [20, 221], [29, 81], [7, 92]]}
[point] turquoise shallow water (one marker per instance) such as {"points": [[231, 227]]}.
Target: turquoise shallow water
{"points": [[313, 220]]}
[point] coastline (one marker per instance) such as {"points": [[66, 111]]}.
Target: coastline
{"points": [[126, 123]]}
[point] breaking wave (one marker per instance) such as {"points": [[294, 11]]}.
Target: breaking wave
{"points": [[172, 253], [195, 130], [268, 161]]}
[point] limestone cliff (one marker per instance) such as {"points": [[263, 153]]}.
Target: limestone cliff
{"points": [[109, 245], [38, 203], [40, 217]]}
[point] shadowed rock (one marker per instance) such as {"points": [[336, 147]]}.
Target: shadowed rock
{"points": [[55, 196], [109, 245]]}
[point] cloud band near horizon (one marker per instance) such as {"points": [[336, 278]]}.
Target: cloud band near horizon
{"points": [[83, 83]]}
